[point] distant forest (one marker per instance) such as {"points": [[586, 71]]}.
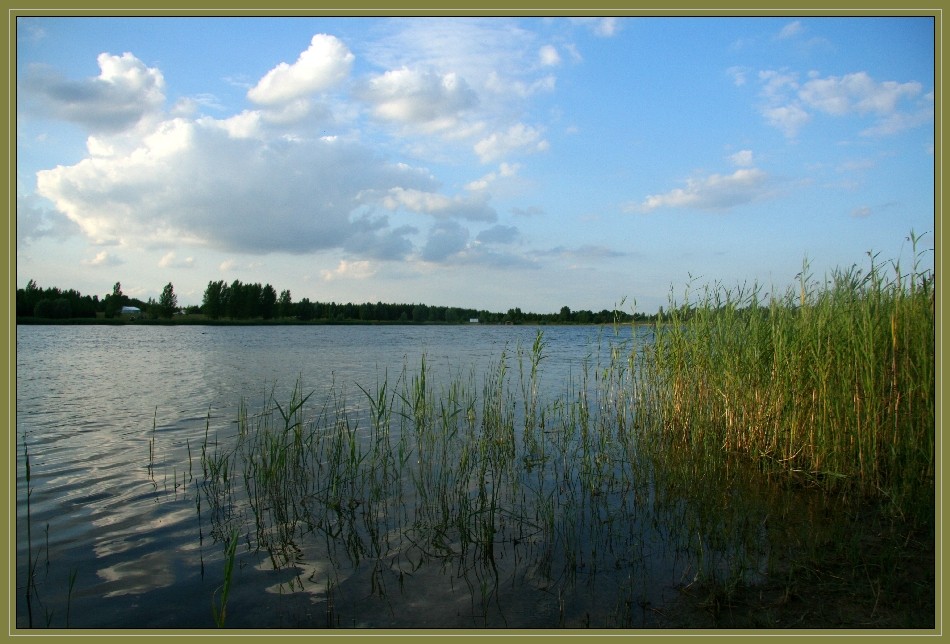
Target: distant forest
{"points": [[240, 302]]}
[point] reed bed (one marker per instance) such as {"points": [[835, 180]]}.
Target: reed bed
{"points": [[434, 471], [832, 382]]}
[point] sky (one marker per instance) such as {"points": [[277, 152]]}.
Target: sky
{"points": [[485, 163]]}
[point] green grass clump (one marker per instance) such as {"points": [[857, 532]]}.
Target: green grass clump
{"points": [[833, 383]]}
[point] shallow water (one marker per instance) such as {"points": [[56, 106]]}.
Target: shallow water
{"points": [[125, 530]]}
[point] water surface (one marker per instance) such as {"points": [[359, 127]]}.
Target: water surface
{"points": [[126, 532]]}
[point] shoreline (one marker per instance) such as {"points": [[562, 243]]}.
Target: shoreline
{"points": [[26, 321]]}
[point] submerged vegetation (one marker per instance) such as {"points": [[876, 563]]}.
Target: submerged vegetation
{"points": [[716, 469]]}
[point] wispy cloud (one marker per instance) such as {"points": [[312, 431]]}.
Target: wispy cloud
{"points": [[738, 74], [742, 158], [104, 258], [548, 56], [712, 192], [505, 171], [603, 27], [517, 138], [577, 253], [171, 260], [359, 270], [791, 30], [789, 104]]}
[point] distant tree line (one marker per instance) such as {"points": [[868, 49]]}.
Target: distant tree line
{"points": [[255, 301], [55, 304], [240, 301]]}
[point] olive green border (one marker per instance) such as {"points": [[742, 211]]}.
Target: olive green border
{"points": [[443, 8]]}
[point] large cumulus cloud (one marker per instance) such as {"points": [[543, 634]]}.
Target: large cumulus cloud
{"points": [[292, 171], [194, 181]]}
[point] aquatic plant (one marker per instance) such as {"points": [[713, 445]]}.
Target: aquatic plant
{"points": [[832, 382], [220, 609]]}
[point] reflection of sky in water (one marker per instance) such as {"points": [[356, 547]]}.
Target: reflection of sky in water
{"points": [[147, 572], [93, 401]]}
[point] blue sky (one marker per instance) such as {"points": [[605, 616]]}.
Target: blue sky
{"points": [[473, 162]]}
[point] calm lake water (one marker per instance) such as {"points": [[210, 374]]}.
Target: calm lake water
{"points": [[125, 530]]}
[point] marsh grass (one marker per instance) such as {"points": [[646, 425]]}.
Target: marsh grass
{"points": [[832, 383]]}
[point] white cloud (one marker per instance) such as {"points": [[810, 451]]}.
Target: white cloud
{"points": [[789, 105], [324, 64], [900, 121], [548, 56], [495, 63], [360, 270], [791, 30], [607, 27], [502, 87], [192, 182], [788, 118], [426, 99], [473, 48], [505, 170], [431, 203], [170, 260], [839, 95], [714, 192], [742, 158], [738, 75], [104, 258], [775, 84], [248, 124], [286, 175], [604, 27], [518, 138], [124, 93]]}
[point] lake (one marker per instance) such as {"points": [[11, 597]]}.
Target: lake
{"points": [[501, 502]]}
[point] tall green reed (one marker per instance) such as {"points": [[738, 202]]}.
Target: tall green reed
{"points": [[832, 382], [219, 609], [30, 562]]}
